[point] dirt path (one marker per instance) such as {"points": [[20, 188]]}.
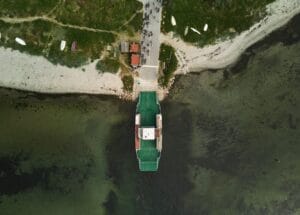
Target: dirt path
{"points": [[130, 19], [52, 20]]}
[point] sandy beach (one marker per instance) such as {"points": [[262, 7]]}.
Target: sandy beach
{"points": [[225, 53], [25, 72], [32, 73]]}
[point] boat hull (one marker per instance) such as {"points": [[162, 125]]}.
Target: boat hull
{"points": [[148, 131]]}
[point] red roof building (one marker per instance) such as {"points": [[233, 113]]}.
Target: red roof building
{"points": [[134, 48], [135, 60]]}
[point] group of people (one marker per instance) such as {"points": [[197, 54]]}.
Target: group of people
{"points": [[152, 10]]}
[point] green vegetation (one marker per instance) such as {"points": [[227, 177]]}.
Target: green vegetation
{"points": [[134, 25], [168, 64], [43, 37], [102, 14], [108, 65], [224, 17], [128, 83], [23, 8]]}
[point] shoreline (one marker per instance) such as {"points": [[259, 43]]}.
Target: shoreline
{"points": [[36, 74], [226, 53], [42, 96], [39, 75]]}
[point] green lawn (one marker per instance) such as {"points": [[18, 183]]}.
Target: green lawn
{"points": [[224, 17]]}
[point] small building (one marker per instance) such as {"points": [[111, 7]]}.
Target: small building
{"points": [[134, 48], [135, 60], [124, 46]]}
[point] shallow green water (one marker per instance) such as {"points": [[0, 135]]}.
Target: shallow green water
{"points": [[245, 139], [231, 146], [53, 153]]}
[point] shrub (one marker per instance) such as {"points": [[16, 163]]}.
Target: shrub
{"points": [[128, 83], [108, 65], [167, 59]]}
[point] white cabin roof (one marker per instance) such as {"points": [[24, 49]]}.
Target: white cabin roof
{"points": [[148, 133]]}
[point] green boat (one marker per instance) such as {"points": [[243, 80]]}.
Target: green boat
{"points": [[148, 131]]}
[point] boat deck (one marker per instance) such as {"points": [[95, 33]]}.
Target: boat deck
{"points": [[148, 108]]}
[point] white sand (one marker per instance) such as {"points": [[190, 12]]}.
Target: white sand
{"points": [[25, 72], [224, 53]]}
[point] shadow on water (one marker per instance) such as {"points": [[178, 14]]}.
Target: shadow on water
{"points": [[119, 149], [161, 192], [120, 157], [13, 181]]}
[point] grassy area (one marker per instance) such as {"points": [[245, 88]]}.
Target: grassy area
{"points": [[224, 17], [108, 65], [134, 25], [128, 83], [43, 37], [168, 64], [103, 14], [23, 8]]}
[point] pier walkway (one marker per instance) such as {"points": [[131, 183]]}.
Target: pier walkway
{"points": [[150, 44]]}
